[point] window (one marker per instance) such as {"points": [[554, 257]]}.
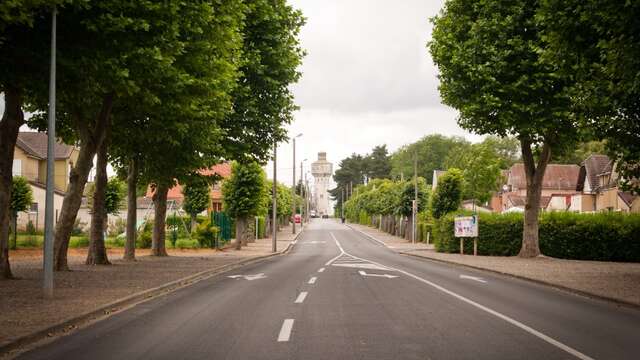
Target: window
{"points": [[34, 207], [16, 170]]}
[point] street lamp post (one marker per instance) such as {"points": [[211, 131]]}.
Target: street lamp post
{"points": [[293, 188], [302, 192], [51, 141], [274, 206]]}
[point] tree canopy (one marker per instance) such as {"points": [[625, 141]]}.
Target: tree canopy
{"points": [[448, 193]]}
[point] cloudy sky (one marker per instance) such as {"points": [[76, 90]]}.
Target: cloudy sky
{"points": [[367, 80]]}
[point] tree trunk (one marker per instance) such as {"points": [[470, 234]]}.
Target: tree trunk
{"points": [[159, 224], [12, 119], [14, 225], [90, 140], [250, 234], [241, 224], [534, 175], [97, 254], [132, 183]]}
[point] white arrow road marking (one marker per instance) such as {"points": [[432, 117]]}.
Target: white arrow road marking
{"points": [[285, 331], [313, 280], [315, 242], [321, 270], [248, 277], [363, 266], [506, 318], [378, 275], [474, 278]]}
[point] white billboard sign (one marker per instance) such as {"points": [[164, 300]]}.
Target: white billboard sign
{"points": [[466, 226]]}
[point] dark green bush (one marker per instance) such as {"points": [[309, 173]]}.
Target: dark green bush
{"points": [[205, 234], [601, 236], [187, 244]]}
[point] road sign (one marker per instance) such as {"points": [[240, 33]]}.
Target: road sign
{"points": [[466, 226]]}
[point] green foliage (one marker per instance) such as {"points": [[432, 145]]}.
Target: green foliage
{"points": [[196, 196], [283, 199], [187, 244], [431, 151], [448, 194], [21, 195], [206, 233], [407, 195], [581, 152], [243, 191], [31, 229], [595, 42], [143, 240], [115, 195], [601, 236], [481, 166], [262, 99], [78, 242], [355, 169]]}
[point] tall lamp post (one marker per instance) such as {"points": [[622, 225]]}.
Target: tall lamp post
{"points": [[51, 141], [274, 205], [293, 188], [302, 192]]}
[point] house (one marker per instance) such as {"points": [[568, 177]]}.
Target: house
{"points": [[560, 181], [598, 188], [175, 193], [30, 161]]}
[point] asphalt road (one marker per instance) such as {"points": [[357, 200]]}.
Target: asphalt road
{"points": [[341, 295]]}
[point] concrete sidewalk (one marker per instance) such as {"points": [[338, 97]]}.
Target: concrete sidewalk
{"points": [[89, 289], [619, 282]]}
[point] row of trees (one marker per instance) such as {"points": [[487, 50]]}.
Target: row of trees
{"points": [[157, 89], [550, 73]]}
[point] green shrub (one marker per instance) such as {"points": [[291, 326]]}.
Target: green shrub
{"points": [[423, 229], [78, 228], [31, 229], [115, 241], [29, 241], [143, 240], [187, 244], [205, 234], [78, 242], [601, 236]]}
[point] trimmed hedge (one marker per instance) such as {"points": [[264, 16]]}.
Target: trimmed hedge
{"points": [[601, 236]]}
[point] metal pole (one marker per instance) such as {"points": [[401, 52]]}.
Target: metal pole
{"points": [[301, 193], [274, 206], [414, 209], [293, 203], [51, 138], [306, 198]]}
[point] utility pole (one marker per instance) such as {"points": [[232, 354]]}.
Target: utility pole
{"points": [[306, 197], [51, 141], [414, 208], [274, 205], [342, 206]]}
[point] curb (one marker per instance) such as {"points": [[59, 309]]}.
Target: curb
{"points": [[536, 281], [367, 235], [111, 308]]}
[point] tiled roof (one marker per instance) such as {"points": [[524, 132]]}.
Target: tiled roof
{"points": [[520, 201], [556, 177], [175, 193], [627, 197], [594, 165], [35, 144]]}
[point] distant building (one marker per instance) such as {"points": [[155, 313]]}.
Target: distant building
{"points": [[321, 171], [30, 162]]}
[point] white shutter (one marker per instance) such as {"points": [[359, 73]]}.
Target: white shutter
{"points": [[16, 170]]}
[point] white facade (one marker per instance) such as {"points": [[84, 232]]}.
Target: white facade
{"points": [[322, 171]]}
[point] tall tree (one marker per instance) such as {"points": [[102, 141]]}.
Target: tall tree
{"points": [[595, 43], [431, 152], [243, 194], [378, 163], [448, 193], [21, 199], [480, 166], [492, 72], [23, 65], [196, 198]]}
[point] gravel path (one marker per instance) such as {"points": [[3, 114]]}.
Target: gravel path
{"points": [[611, 280], [23, 309]]}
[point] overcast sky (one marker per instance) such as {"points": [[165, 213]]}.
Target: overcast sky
{"points": [[367, 80]]}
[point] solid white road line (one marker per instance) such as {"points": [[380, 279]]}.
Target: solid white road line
{"points": [[339, 247], [285, 330], [506, 318], [474, 278], [321, 270], [313, 280], [301, 297]]}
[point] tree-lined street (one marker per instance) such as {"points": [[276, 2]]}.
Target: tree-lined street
{"points": [[321, 301]]}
